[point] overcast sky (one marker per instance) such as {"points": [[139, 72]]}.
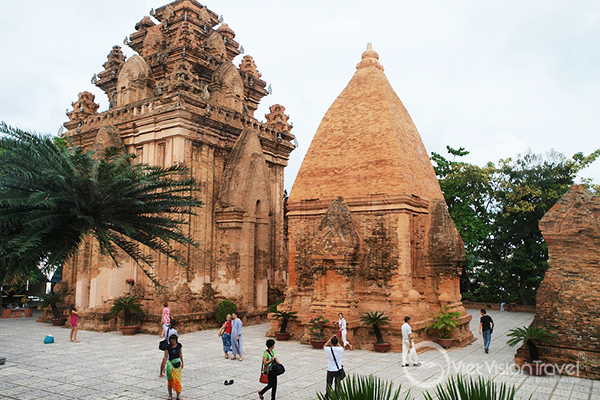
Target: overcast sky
{"points": [[496, 77]]}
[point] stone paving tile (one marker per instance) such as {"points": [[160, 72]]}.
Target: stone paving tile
{"points": [[112, 366]]}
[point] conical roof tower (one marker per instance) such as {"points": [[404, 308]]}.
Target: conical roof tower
{"points": [[366, 144], [368, 227]]}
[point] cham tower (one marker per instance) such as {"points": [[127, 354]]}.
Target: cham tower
{"points": [[181, 100], [369, 229]]}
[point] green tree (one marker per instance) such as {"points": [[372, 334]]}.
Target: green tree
{"points": [[468, 193], [496, 209], [52, 195], [525, 189]]}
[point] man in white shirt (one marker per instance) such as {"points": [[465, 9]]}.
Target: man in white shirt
{"points": [[334, 362], [409, 354]]}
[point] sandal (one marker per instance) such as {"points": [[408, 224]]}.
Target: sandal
{"points": [[260, 395], [226, 355]]}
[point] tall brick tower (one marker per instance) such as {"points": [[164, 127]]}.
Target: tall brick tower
{"points": [[181, 99], [369, 229]]}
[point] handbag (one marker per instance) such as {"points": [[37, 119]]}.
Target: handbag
{"points": [[163, 344], [279, 368], [264, 376], [341, 372]]}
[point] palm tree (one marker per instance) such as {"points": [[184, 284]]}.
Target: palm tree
{"points": [[129, 306], [53, 194], [532, 336], [375, 319], [53, 300], [285, 317]]}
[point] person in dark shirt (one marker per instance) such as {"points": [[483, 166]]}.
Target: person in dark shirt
{"points": [[172, 364], [486, 327]]}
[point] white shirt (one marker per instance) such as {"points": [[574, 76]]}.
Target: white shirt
{"points": [[339, 352], [342, 324], [406, 331], [172, 331]]}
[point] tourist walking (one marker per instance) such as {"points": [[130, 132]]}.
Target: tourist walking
{"points": [[236, 337], [74, 321], [166, 319], [172, 329], [409, 354], [172, 364], [486, 327], [343, 330], [268, 364], [225, 333], [334, 352]]}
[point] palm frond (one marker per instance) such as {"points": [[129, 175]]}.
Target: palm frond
{"points": [[361, 387], [53, 195]]}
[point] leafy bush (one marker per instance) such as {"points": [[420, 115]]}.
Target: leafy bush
{"points": [[223, 308], [460, 388], [129, 306], [444, 322], [360, 387], [317, 327]]}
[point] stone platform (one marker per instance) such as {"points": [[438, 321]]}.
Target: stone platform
{"points": [[112, 366]]}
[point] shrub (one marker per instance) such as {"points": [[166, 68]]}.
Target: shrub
{"points": [[444, 322], [53, 300], [375, 319], [358, 387], [223, 308], [532, 336], [461, 388], [129, 306], [317, 327]]}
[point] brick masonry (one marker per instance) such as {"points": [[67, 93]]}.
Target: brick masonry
{"points": [[368, 226], [569, 297], [181, 100]]}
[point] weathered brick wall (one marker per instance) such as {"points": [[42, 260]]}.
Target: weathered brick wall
{"points": [[192, 106], [568, 301]]}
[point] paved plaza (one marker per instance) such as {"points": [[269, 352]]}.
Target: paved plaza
{"points": [[113, 366]]}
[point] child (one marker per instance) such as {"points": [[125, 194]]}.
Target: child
{"points": [[74, 319]]}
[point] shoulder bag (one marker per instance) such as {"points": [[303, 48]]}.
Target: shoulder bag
{"points": [[341, 372], [163, 344], [279, 368]]}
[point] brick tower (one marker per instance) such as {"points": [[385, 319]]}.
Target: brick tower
{"points": [[181, 100], [369, 229]]}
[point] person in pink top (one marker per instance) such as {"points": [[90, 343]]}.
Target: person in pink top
{"points": [[74, 320], [166, 319]]}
